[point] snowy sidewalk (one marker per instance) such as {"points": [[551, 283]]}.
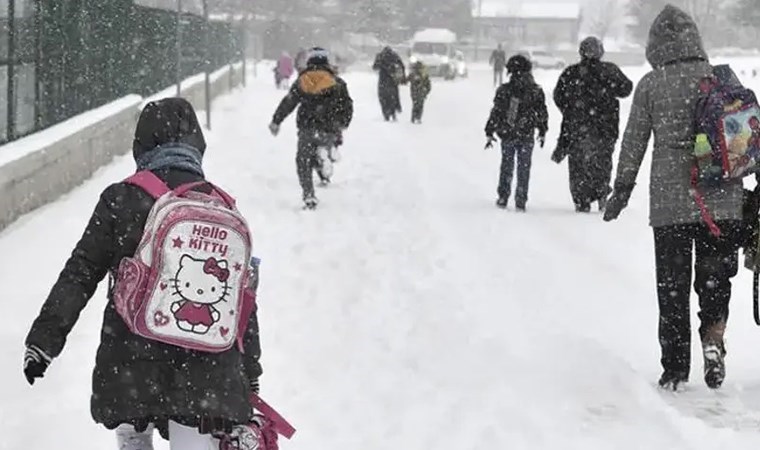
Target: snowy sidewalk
{"points": [[408, 312]]}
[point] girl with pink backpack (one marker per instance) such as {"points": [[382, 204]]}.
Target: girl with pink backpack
{"points": [[179, 349]]}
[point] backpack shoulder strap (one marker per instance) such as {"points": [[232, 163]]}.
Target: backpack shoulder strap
{"points": [[149, 182]]}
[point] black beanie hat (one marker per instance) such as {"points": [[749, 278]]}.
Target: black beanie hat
{"points": [[519, 64], [171, 120], [591, 48]]}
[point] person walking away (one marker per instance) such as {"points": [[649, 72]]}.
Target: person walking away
{"points": [[519, 110], [498, 60], [325, 109], [665, 103], [284, 70], [420, 87], [391, 73], [587, 95], [140, 384]]}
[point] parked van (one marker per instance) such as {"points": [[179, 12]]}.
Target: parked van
{"points": [[434, 47]]}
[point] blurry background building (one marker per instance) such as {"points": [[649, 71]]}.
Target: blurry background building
{"points": [[528, 24]]}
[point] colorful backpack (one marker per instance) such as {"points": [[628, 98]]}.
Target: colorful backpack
{"points": [[727, 143], [187, 284]]}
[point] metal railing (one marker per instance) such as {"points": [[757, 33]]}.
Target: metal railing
{"points": [[61, 58]]}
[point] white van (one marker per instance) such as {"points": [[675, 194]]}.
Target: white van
{"points": [[434, 47]]}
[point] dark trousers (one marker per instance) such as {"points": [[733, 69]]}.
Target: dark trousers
{"points": [[715, 264], [591, 170], [523, 153], [418, 106], [307, 157]]}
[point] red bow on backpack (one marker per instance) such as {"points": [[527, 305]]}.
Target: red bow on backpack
{"points": [[212, 267]]}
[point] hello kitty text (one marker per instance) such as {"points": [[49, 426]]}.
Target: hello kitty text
{"points": [[209, 239]]}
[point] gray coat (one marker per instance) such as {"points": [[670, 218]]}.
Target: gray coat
{"points": [[664, 103]]}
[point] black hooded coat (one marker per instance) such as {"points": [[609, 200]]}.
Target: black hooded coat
{"points": [[391, 72], [135, 380]]}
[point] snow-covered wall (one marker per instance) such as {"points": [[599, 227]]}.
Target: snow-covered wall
{"points": [[40, 168]]}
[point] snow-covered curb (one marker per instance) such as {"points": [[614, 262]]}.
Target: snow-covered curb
{"points": [[39, 168]]}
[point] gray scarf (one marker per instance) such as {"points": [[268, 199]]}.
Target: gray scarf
{"points": [[172, 156]]}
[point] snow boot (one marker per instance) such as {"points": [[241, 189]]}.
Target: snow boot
{"points": [[310, 203], [672, 381], [602, 204], [583, 208], [715, 364], [714, 354], [502, 202], [520, 208], [325, 167]]}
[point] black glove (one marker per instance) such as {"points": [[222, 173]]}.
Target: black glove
{"points": [[542, 140], [339, 139], [558, 156], [617, 202], [36, 362], [490, 142]]}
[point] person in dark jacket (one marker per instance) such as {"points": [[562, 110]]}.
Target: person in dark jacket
{"points": [[498, 60], [420, 87], [392, 73], [587, 95], [519, 110], [664, 104], [325, 111], [137, 383]]}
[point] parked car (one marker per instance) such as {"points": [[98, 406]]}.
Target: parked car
{"points": [[544, 60], [460, 64]]}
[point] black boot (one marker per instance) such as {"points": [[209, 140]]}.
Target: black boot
{"points": [[715, 364], [502, 202], [582, 208], [671, 380]]}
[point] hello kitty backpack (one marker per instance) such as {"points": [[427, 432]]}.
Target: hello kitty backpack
{"points": [[186, 285]]}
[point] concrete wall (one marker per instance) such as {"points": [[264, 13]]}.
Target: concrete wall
{"points": [[40, 168]]}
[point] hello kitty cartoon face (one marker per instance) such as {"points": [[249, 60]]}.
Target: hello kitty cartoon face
{"points": [[200, 281]]}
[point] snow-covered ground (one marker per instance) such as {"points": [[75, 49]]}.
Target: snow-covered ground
{"points": [[408, 312]]}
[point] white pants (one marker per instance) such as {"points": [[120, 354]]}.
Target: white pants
{"points": [[180, 438]]}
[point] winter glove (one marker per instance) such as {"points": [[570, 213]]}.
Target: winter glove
{"points": [[542, 140], [36, 362], [490, 142], [255, 386], [617, 202], [558, 156], [274, 129], [339, 139]]}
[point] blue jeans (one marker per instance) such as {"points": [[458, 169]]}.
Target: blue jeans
{"points": [[523, 152]]}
